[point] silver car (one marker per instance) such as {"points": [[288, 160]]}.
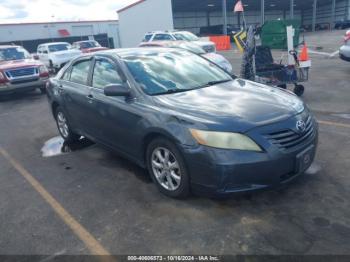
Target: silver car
{"points": [[208, 46], [189, 46]]}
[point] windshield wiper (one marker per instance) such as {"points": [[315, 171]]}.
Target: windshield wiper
{"points": [[171, 91], [211, 83]]}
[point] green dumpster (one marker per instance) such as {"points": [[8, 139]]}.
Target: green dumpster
{"points": [[274, 33]]}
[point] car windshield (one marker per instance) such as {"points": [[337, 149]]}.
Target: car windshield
{"points": [[58, 47], [171, 72], [13, 53], [187, 36], [90, 44]]}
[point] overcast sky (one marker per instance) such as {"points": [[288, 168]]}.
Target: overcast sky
{"points": [[13, 11]]}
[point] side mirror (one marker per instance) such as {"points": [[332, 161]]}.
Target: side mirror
{"points": [[116, 90], [36, 57]]}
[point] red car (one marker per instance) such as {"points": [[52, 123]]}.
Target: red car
{"points": [[19, 71], [88, 46]]}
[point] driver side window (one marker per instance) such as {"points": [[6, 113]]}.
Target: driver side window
{"points": [[105, 73]]}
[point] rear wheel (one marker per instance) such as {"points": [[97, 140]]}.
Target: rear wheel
{"points": [[167, 168], [63, 127]]}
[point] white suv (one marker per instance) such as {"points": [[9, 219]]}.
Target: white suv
{"points": [[208, 46], [56, 55]]}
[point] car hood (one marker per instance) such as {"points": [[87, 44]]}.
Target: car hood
{"points": [[235, 106], [4, 65]]}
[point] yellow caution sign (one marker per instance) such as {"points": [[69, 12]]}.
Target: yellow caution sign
{"points": [[240, 39]]}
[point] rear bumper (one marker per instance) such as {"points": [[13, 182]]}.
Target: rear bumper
{"points": [[344, 53], [218, 172], [10, 88]]}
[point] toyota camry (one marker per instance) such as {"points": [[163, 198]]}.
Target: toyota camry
{"points": [[191, 124]]}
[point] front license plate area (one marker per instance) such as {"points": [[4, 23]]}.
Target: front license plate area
{"points": [[304, 159]]}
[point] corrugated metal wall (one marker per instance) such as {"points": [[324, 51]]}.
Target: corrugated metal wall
{"points": [[192, 21]]}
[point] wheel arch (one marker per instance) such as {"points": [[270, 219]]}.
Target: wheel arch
{"points": [[152, 135]]}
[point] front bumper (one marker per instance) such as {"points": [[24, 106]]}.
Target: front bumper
{"points": [[221, 172], [24, 86]]}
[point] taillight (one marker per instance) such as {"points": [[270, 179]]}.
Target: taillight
{"points": [[43, 71], [3, 78]]}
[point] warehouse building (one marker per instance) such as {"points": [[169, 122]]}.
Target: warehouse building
{"points": [[30, 35], [192, 15], [149, 15]]}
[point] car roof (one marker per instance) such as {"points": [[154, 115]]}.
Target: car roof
{"points": [[8, 46], [124, 52], [163, 43], [163, 32], [54, 43], [84, 41]]}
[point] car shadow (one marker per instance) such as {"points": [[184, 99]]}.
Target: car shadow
{"points": [[33, 95]]}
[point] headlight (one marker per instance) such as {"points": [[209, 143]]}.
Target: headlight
{"points": [[224, 140], [43, 69]]}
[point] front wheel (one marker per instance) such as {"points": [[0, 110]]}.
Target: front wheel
{"points": [[63, 127], [167, 168]]}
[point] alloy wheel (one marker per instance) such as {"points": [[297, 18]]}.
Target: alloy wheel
{"points": [[62, 124], [166, 168]]}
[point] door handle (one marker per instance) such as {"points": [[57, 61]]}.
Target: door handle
{"points": [[90, 98], [60, 89]]}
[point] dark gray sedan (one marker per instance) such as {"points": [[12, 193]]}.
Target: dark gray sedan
{"points": [[193, 126]]}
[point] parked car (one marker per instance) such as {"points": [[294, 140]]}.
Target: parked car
{"points": [[208, 46], [189, 46], [343, 24], [19, 71], [56, 55], [344, 51], [186, 120], [88, 46]]}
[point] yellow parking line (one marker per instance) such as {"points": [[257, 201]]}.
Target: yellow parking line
{"points": [[92, 244], [333, 123]]}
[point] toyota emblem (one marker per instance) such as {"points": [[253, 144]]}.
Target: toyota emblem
{"points": [[301, 126]]}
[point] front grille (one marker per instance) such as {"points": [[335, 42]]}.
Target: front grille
{"points": [[22, 72], [26, 80], [288, 139]]}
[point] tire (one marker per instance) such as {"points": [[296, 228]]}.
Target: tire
{"points": [[299, 90], [170, 176], [63, 126]]}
